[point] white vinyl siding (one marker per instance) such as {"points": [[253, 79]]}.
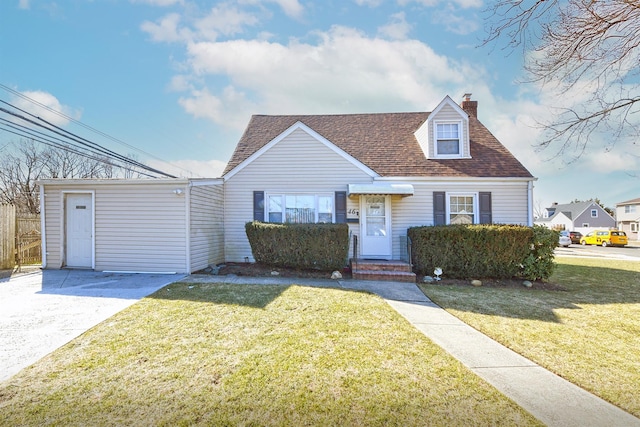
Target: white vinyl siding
{"points": [[449, 115], [143, 225], [297, 164], [509, 201], [207, 226], [53, 227], [427, 132], [140, 228]]}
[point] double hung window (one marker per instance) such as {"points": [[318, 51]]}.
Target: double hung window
{"points": [[300, 208], [462, 209], [448, 139]]}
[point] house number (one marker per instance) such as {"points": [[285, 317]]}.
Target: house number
{"points": [[353, 212]]}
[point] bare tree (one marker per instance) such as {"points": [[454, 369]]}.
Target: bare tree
{"points": [[585, 48], [23, 163], [18, 175]]}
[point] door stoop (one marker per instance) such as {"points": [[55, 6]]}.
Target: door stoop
{"points": [[382, 270]]}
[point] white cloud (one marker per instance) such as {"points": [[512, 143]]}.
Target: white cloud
{"points": [[190, 168], [370, 3], [229, 108], [47, 107], [160, 3], [465, 4], [344, 71], [223, 19], [291, 8], [398, 28], [24, 4], [166, 30]]}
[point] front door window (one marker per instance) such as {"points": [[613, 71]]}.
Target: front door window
{"points": [[376, 227], [376, 220]]}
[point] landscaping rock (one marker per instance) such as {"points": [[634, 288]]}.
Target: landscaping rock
{"points": [[527, 284], [476, 282], [428, 279], [336, 275], [275, 273]]}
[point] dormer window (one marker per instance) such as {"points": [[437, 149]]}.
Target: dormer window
{"points": [[448, 139]]}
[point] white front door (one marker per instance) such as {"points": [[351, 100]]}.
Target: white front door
{"points": [[79, 230], [375, 229]]}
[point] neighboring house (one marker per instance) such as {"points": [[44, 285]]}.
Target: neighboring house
{"points": [[579, 216], [380, 173], [628, 217]]}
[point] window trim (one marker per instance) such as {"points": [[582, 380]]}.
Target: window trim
{"points": [[284, 194], [459, 123], [476, 204]]}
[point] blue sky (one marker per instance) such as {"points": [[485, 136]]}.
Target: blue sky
{"points": [[177, 80]]}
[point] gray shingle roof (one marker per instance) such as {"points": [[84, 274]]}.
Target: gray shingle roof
{"points": [[385, 143]]}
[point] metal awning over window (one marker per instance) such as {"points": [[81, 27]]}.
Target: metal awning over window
{"points": [[391, 189]]}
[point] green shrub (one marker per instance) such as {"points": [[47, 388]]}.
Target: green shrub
{"points": [[539, 263], [303, 246], [476, 251]]}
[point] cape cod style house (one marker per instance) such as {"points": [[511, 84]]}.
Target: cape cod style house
{"points": [[380, 173]]}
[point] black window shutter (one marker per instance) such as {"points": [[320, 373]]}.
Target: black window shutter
{"points": [[439, 208], [485, 207], [341, 207], [258, 205]]}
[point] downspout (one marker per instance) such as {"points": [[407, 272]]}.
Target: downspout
{"points": [[43, 234], [187, 207], [530, 203]]}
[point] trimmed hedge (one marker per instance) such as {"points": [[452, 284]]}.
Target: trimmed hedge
{"points": [[303, 246], [484, 251]]}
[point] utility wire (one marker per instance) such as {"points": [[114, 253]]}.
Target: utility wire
{"points": [[78, 139], [26, 134], [92, 129]]}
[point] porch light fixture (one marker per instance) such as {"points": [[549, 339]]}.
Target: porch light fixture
{"points": [[177, 191]]}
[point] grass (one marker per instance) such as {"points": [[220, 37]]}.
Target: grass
{"points": [[588, 332], [205, 354]]}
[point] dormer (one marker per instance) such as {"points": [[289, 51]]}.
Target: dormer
{"points": [[445, 134]]}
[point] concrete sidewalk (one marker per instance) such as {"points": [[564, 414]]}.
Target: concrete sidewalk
{"points": [[41, 311], [551, 399]]}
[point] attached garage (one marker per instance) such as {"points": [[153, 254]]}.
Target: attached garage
{"points": [[172, 225]]}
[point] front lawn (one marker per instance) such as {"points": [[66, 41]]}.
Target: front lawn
{"points": [[587, 331], [206, 354]]}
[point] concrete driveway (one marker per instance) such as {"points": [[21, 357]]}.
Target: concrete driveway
{"points": [[43, 310]]}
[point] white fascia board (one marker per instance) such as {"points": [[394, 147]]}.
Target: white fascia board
{"points": [[114, 181], [448, 101], [312, 133], [452, 179]]}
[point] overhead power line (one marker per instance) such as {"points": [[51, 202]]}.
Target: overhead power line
{"points": [[90, 128], [76, 139]]}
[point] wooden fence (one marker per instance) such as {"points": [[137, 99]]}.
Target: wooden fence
{"points": [[20, 238], [7, 236], [28, 240]]}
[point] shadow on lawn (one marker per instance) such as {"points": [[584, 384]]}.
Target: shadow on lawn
{"points": [[576, 286], [248, 295]]}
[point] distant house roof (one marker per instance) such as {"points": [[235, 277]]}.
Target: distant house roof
{"points": [[630, 202], [385, 142], [570, 210]]}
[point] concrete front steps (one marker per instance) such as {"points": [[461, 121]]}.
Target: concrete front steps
{"points": [[382, 270]]}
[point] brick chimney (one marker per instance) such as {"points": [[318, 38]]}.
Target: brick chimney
{"points": [[469, 106]]}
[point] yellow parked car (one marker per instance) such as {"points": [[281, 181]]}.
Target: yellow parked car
{"points": [[605, 238]]}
